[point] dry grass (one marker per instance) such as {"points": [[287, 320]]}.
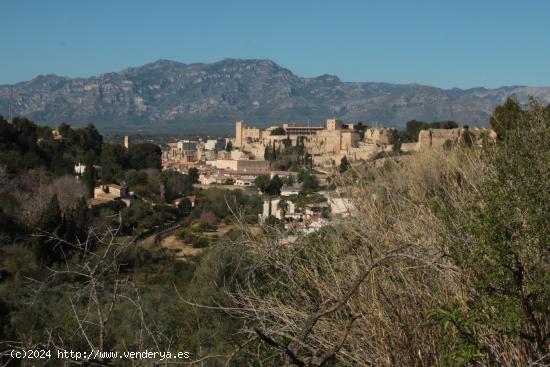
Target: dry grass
{"points": [[361, 291]]}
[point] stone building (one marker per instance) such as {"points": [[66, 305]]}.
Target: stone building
{"points": [[326, 144], [441, 138], [379, 135]]}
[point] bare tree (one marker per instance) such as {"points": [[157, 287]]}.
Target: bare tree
{"points": [[96, 290], [359, 290]]}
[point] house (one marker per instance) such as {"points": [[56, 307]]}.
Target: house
{"points": [[280, 209], [284, 175], [289, 191], [341, 206], [315, 225], [241, 165], [80, 170], [192, 199], [244, 183], [215, 179], [110, 192], [316, 211]]}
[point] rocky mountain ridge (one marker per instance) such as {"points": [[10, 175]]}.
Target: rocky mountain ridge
{"points": [[172, 96]]}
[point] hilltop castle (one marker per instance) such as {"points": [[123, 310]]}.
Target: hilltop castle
{"points": [[325, 143], [329, 143]]}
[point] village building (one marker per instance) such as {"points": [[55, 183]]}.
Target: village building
{"points": [[284, 174], [110, 192], [281, 209], [241, 165]]}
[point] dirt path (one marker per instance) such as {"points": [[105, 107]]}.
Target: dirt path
{"points": [[180, 249]]}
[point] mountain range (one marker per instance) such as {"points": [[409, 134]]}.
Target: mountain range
{"points": [[169, 96]]}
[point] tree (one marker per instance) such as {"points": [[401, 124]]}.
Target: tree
{"points": [[308, 160], [290, 180], [89, 179], [287, 142], [229, 146], [262, 183], [284, 207], [193, 174], [507, 117], [50, 219], [174, 185], [113, 161], [267, 152], [275, 185], [185, 206], [344, 164], [504, 250], [395, 141], [144, 155], [468, 137], [310, 184], [47, 247], [279, 130], [90, 140], [414, 127]]}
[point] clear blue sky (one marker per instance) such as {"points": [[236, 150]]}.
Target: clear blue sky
{"points": [[460, 43]]}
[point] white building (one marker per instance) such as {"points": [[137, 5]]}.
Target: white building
{"points": [[341, 206], [278, 211], [214, 144], [241, 165], [289, 191], [244, 183]]}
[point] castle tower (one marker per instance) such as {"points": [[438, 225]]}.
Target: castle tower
{"points": [[334, 124], [126, 141], [239, 132]]}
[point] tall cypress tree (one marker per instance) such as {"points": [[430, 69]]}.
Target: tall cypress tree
{"points": [[89, 179]]}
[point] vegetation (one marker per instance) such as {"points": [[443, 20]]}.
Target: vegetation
{"points": [[284, 156], [24, 146], [445, 261], [226, 204], [278, 131], [269, 186], [60, 258], [344, 165], [309, 182]]}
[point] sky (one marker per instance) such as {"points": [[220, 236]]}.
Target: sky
{"points": [[460, 43]]}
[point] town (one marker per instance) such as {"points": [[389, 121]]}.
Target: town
{"points": [[275, 183], [305, 203], [302, 160]]}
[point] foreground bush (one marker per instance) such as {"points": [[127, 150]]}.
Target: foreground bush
{"points": [[445, 262]]}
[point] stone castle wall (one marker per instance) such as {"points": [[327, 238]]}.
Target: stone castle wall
{"points": [[439, 138]]}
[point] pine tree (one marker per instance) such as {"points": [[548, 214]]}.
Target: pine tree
{"points": [[344, 164]]}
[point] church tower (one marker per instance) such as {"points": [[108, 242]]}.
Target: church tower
{"points": [[239, 127]]}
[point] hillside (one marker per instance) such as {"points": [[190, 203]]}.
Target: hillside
{"points": [[172, 96]]}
